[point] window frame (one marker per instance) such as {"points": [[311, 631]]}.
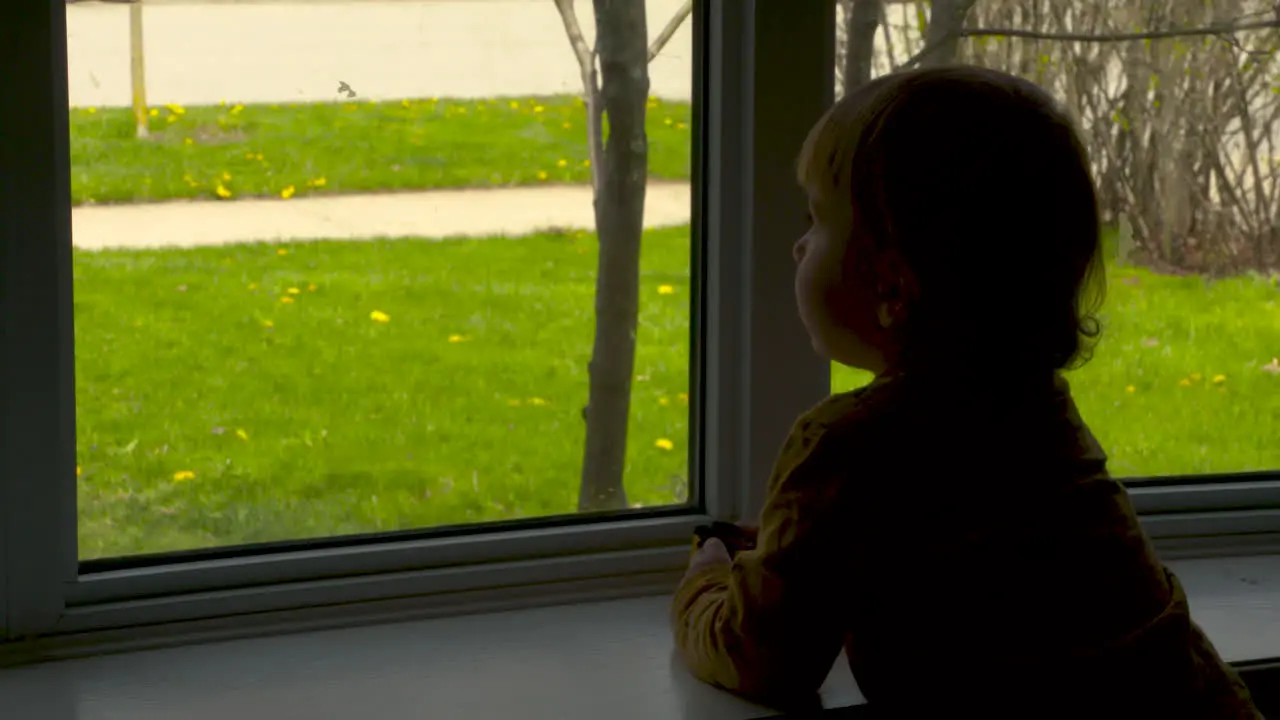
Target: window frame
{"points": [[759, 91]]}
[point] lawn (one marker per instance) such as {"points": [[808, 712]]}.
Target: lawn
{"points": [[259, 392], [293, 150], [1185, 379], [235, 394]]}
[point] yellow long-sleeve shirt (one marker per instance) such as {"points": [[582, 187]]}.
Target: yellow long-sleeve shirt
{"points": [[964, 543]]}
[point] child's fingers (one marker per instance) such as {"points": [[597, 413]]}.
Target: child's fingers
{"points": [[714, 547]]}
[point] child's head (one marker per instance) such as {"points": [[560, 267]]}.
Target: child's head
{"points": [[955, 225]]}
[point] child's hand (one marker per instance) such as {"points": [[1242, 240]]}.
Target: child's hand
{"points": [[713, 552]]}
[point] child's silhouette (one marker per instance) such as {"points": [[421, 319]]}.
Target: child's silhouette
{"points": [[952, 525]]}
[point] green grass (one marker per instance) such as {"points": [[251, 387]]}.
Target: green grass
{"points": [[352, 425], [1149, 393], [232, 151]]}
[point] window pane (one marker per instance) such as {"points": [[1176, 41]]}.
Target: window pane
{"points": [[336, 269], [1185, 379]]}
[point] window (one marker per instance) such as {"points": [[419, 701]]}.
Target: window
{"points": [[386, 417], [363, 295], [1185, 380]]}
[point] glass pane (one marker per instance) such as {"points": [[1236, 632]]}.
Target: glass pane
{"points": [[336, 269], [1185, 379]]}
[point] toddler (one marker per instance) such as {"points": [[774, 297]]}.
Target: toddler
{"points": [[952, 525]]}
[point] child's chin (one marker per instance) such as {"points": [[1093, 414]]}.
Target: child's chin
{"points": [[819, 348]]}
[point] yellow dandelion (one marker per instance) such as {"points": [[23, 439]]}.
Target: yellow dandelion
{"points": [[1195, 377], [176, 109], [667, 121], [1128, 388], [586, 163], [77, 471], [435, 100], [562, 163], [663, 401], [248, 156], [568, 126], [153, 112], [680, 126], [91, 110], [282, 251], [317, 182], [222, 191], [286, 300], [538, 108], [182, 475], [458, 338], [537, 401], [171, 119], [513, 403], [515, 105], [236, 110], [666, 289], [311, 287], [405, 103], [379, 317], [1184, 382], [187, 141], [258, 156], [268, 324], [242, 434], [684, 397], [293, 291], [664, 444], [542, 175], [226, 175], [287, 192], [1219, 379]]}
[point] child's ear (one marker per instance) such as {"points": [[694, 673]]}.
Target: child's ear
{"points": [[891, 313]]}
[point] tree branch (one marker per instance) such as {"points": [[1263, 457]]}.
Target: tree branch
{"points": [[1215, 29], [573, 30], [672, 25]]}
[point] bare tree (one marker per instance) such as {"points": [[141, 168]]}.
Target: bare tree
{"points": [[1177, 101], [861, 21], [138, 70], [615, 83], [946, 19]]}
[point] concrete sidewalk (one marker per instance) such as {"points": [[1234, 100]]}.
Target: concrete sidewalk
{"points": [[433, 214], [280, 52]]}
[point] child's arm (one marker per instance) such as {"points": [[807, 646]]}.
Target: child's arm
{"points": [[770, 625]]}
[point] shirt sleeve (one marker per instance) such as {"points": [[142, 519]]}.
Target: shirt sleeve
{"points": [[770, 625]]}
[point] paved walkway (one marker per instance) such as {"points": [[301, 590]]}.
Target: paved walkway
{"points": [[434, 214], [296, 52]]}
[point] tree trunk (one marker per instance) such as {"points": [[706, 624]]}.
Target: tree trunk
{"points": [[861, 22], [138, 70], [621, 46], [946, 19]]}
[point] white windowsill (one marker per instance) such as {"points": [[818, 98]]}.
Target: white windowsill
{"points": [[599, 660]]}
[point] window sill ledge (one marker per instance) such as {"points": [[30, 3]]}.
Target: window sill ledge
{"points": [[591, 660]]}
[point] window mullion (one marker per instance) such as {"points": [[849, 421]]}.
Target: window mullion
{"points": [[791, 85], [37, 430]]}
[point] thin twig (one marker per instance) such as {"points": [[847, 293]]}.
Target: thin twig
{"points": [[672, 25], [1215, 29]]}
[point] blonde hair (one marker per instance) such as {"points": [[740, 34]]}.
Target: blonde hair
{"points": [[941, 175]]}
